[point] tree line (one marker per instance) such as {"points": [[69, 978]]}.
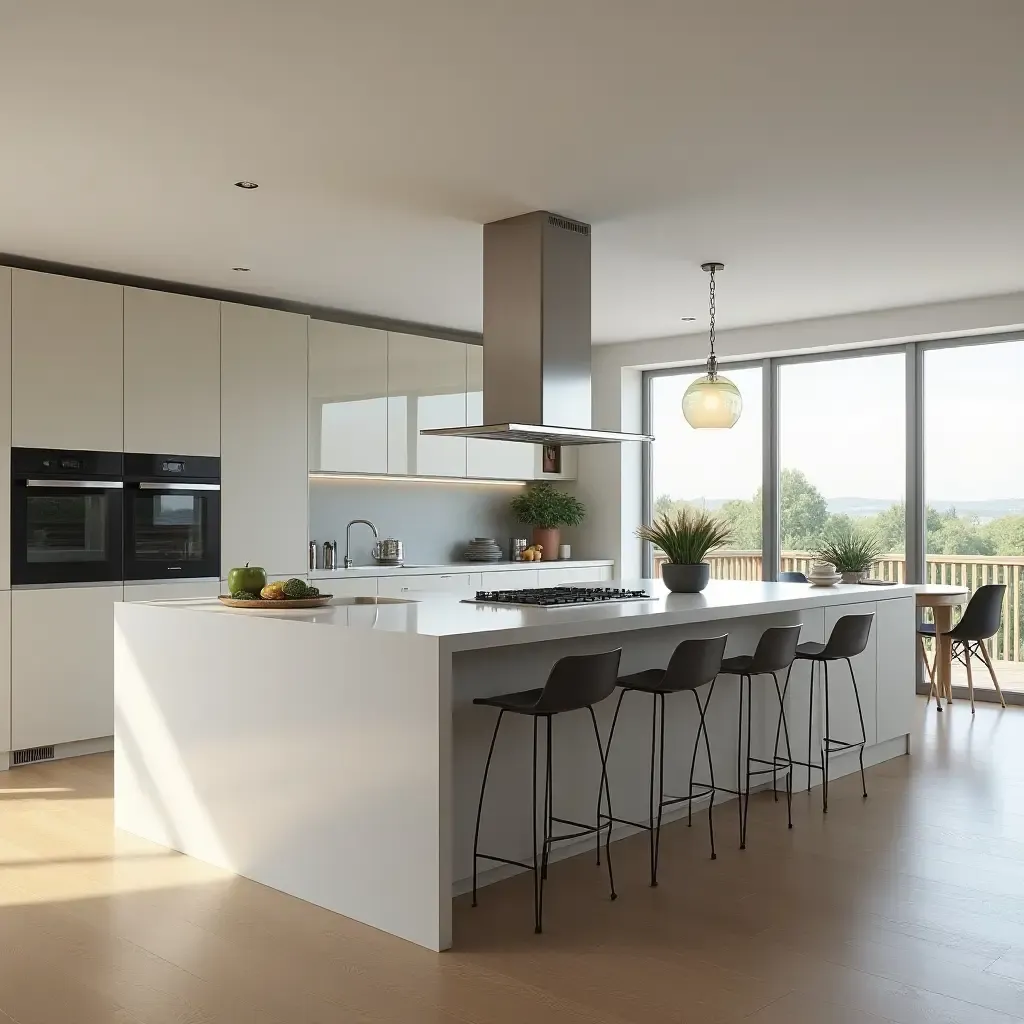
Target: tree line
{"points": [[806, 520]]}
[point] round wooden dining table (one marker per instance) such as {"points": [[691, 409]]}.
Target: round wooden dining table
{"points": [[942, 599]]}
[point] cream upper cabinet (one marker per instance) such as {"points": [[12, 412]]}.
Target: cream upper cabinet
{"points": [[171, 373], [66, 362], [5, 439], [348, 398], [491, 460], [264, 480], [426, 388]]}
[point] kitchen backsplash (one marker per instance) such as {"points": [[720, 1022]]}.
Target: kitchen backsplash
{"points": [[435, 521]]}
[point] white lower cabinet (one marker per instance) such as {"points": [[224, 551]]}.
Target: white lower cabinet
{"points": [[560, 576], [170, 591], [456, 582], [361, 586], [5, 670], [896, 667], [509, 579], [62, 664]]}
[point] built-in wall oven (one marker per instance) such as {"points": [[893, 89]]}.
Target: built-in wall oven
{"points": [[66, 516], [171, 517]]}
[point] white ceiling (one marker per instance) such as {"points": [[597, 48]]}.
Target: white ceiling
{"points": [[837, 156]]}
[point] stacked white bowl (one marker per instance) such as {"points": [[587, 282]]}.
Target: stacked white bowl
{"points": [[823, 574]]}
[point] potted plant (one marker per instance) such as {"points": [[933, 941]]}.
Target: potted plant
{"points": [[547, 510], [686, 537], [851, 550]]}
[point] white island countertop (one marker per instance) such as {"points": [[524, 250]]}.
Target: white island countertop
{"points": [[462, 626]]}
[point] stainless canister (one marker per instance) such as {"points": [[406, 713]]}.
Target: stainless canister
{"points": [[516, 547], [390, 551]]}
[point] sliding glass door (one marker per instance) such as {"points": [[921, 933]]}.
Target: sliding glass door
{"points": [[974, 486]]}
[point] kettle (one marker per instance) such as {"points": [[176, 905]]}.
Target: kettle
{"points": [[389, 551]]}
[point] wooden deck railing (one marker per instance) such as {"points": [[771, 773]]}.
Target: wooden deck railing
{"points": [[969, 571]]}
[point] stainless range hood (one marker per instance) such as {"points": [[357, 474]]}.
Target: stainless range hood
{"points": [[537, 335]]}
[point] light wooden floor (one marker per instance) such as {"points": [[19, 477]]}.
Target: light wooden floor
{"points": [[908, 907]]}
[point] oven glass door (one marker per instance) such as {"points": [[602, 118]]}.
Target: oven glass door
{"points": [[65, 532], [172, 531]]}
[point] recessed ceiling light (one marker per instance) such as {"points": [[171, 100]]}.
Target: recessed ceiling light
{"points": [[687, 319], [242, 270], [246, 184]]}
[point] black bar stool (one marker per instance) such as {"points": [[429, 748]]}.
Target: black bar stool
{"points": [[792, 577], [693, 664], [775, 652], [575, 683], [848, 638]]}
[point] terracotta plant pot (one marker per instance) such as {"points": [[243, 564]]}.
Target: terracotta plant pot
{"points": [[686, 579], [547, 538]]}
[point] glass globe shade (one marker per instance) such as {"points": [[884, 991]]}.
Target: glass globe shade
{"points": [[712, 402]]}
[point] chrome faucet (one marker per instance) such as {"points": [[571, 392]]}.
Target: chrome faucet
{"points": [[348, 543]]}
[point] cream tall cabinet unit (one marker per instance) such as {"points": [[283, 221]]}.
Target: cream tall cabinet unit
{"points": [[348, 398], [171, 373], [264, 479], [5, 449], [67, 337], [501, 460], [426, 388]]}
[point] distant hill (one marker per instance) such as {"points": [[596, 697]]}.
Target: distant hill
{"points": [[985, 510]]}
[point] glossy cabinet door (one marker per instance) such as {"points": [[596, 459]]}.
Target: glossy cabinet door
{"points": [[5, 441], [559, 576], [175, 591], [264, 479], [62, 664], [348, 398], [67, 363], [492, 460], [448, 582], [5, 671], [426, 388], [896, 667], [171, 373]]}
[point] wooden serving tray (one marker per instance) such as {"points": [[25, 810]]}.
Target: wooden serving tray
{"points": [[284, 603]]}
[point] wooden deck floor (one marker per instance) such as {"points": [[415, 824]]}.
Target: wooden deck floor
{"points": [[907, 907]]}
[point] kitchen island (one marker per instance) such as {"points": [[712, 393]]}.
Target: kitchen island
{"points": [[335, 754]]}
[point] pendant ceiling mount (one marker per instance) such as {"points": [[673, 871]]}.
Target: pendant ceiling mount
{"points": [[712, 401]]}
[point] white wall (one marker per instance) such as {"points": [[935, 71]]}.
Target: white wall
{"points": [[610, 478]]}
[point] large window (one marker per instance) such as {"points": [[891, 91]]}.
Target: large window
{"points": [[719, 470], [842, 454], [974, 486]]}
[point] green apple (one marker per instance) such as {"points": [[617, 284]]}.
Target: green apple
{"points": [[249, 577]]}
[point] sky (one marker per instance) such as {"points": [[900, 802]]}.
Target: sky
{"points": [[842, 423]]}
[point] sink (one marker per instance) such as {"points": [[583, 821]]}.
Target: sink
{"points": [[368, 599]]}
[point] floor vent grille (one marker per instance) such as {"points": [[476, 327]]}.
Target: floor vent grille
{"points": [[32, 754]]}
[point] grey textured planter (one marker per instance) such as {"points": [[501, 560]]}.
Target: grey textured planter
{"points": [[854, 577], [686, 579]]}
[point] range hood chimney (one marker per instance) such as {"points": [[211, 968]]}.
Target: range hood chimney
{"points": [[537, 335]]}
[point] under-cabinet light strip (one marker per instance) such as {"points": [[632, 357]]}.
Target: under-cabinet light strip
{"points": [[385, 478]]}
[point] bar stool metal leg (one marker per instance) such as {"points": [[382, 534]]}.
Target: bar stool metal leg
{"points": [[863, 731], [660, 698], [537, 887], [824, 748], [480, 805], [711, 768], [605, 783], [810, 722], [789, 753], [606, 786]]}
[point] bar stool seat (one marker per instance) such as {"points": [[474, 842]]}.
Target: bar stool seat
{"points": [[810, 649], [737, 665], [650, 680], [523, 702], [575, 683]]}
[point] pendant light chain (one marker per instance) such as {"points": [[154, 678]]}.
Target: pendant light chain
{"points": [[712, 358]]}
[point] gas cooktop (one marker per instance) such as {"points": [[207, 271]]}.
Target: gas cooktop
{"points": [[558, 597]]}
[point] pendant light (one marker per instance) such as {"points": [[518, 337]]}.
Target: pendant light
{"points": [[712, 400]]}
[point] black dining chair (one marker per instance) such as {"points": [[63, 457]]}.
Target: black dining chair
{"points": [[774, 653], [792, 577], [694, 663], [979, 622], [849, 637], [575, 683]]}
